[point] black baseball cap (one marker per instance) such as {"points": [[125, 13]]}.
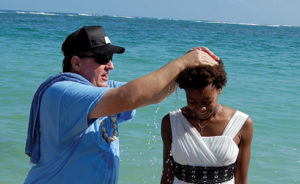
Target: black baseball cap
{"points": [[89, 38]]}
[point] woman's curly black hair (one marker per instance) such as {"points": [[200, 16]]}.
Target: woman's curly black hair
{"points": [[200, 77]]}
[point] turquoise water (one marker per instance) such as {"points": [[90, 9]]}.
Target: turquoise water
{"points": [[262, 63]]}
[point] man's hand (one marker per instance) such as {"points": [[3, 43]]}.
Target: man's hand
{"points": [[199, 56]]}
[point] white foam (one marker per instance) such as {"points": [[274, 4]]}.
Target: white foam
{"points": [[248, 24], [21, 12], [273, 25], [289, 26], [128, 17], [234, 23], [41, 13], [84, 14]]}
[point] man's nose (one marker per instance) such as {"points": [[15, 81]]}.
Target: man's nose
{"points": [[110, 65]]}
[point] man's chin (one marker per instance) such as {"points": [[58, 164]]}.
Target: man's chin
{"points": [[102, 84]]}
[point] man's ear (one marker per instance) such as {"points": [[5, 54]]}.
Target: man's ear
{"points": [[219, 91], [75, 64]]}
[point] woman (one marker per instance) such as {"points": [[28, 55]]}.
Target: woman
{"points": [[205, 142]]}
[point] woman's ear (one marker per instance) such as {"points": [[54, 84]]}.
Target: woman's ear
{"points": [[75, 64], [219, 91]]}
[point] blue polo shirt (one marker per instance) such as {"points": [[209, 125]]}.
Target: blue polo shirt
{"points": [[72, 147]]}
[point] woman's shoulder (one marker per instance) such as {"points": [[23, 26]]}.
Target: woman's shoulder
{"points": [[175, 111], [230, 112], [239, 118], [247, 127], [166, 132], [166, 120]]}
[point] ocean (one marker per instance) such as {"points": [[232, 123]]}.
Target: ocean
{"points": [[262, 64]]}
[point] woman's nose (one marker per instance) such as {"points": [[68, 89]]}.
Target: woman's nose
{"points": [[203, 108]]}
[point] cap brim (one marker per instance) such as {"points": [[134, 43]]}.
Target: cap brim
{"points": [[108, 50]]}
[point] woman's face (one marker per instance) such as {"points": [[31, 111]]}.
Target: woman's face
{"points": [[203, 102]]}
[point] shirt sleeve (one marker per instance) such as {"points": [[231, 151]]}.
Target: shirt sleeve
{"points": [[70, 103], [115, 84], [127, 115]]}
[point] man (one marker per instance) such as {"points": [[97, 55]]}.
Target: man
{"points": [[73, 126]]}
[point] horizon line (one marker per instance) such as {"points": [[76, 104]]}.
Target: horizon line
{"points": [[53, 13]]}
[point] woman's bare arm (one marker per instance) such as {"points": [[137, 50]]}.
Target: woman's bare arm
{"points": [[243, 160], [166, 134]]}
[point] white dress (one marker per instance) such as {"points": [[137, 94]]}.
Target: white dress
{"points": [[190, 148]]}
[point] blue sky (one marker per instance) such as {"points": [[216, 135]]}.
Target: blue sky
{"points": [[274, 12]]}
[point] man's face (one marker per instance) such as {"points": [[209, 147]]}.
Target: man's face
{"points": [[96, 73]]}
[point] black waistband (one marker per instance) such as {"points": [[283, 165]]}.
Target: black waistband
{"points": [[208, 175]]}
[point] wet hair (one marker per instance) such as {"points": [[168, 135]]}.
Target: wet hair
{"points": [[200, 77]]}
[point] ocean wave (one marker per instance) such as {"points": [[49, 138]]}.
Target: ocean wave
{"points": [[289, 26], [233, 23], [247, 24], [84, 14], [41, 13], [21, 12], [127, 17], [272, 25]]}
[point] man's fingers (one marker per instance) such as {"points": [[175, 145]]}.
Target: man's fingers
{"points": [[210, 53], [206, 59]]}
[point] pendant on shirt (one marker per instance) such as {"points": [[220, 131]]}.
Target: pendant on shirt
{"points": [[115, 133]]}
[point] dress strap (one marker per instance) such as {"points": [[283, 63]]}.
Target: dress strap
{"points": [[176, 126], [235, 124]]}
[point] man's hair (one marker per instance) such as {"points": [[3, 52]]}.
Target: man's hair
{"points": [[200, 77], [66, 65]]}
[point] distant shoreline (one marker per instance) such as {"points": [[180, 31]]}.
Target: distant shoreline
{"points": [[46, 13]]}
